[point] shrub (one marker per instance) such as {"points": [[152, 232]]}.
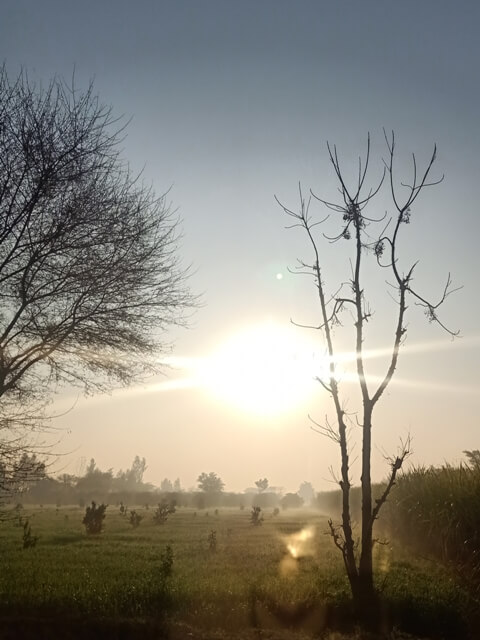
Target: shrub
{"points": [[94, 517], [135, 519], [29, 540], [276, 511], [256, 517], [212, 541], [164, 509]]}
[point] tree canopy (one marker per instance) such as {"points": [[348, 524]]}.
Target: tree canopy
{"points": [[210, 482], [89, 270]]}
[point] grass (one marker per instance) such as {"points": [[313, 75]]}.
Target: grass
{"points": [[251, 582], [437, 511]]}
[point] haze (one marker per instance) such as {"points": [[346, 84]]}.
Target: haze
{"points": [[231, 103]]}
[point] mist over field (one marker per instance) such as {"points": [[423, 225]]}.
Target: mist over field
{"points": [[239, 334]]}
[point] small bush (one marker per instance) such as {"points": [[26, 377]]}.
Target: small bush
{"points": [[94, 517], [164, 509], [276, 511], [29, 540], [135, 519], [256, 517], [212, 541]]}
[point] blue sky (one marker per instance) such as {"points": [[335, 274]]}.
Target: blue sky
{"points": [[231, 103]]}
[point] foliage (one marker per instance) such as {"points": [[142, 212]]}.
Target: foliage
{"points": [[166, 485], [164, 509], [95, 482], [306, 492], [262, 485], [256, 517], [94, 517], [437, 511], [212, 540], [124, 577], [19, 470], [473, 458], [29, 540], [131, 479], [210, 482], [135, 518]]}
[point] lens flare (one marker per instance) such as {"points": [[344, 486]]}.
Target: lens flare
{"points": [[298, 545]]}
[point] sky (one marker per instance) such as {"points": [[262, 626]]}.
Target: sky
{"points": [[231, 103]]}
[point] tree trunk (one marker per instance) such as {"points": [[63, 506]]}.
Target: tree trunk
{"points": [[365, 597]]}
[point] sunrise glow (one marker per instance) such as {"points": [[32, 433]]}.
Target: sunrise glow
{"points": [[264, 369]]}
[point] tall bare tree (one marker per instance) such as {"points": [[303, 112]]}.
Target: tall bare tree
{"points": [[89, 270], [355, 226]]}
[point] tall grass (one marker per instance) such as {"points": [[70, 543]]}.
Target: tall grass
{"points": [[437, 511], [434, 511]]}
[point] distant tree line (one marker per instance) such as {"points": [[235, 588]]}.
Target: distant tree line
{"points": [[127, 487]]}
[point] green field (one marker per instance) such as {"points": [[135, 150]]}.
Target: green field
{"points": [[283, 578]]}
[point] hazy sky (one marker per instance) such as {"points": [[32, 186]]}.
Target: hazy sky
{"points": [[231, 103]]}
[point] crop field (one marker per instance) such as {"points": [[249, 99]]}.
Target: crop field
{"points": [[205, 574]]}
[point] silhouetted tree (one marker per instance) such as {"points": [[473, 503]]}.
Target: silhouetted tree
{"points": [[262, 485], [210, 482], [164, 509], [355, 226], [307, 492], [131, 479], [166, 485], [95, 482], [19, 473], [89, 271]]}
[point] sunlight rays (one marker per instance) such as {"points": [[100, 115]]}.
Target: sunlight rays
{"points": [[267, 369]]}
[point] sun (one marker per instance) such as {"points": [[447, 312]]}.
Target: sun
{"points": [[264, 369]]}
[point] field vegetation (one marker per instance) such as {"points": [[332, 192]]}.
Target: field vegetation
{"points": [[209, 574]]}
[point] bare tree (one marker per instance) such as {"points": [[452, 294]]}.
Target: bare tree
{"points": [[89, 271], [356, 226]]}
